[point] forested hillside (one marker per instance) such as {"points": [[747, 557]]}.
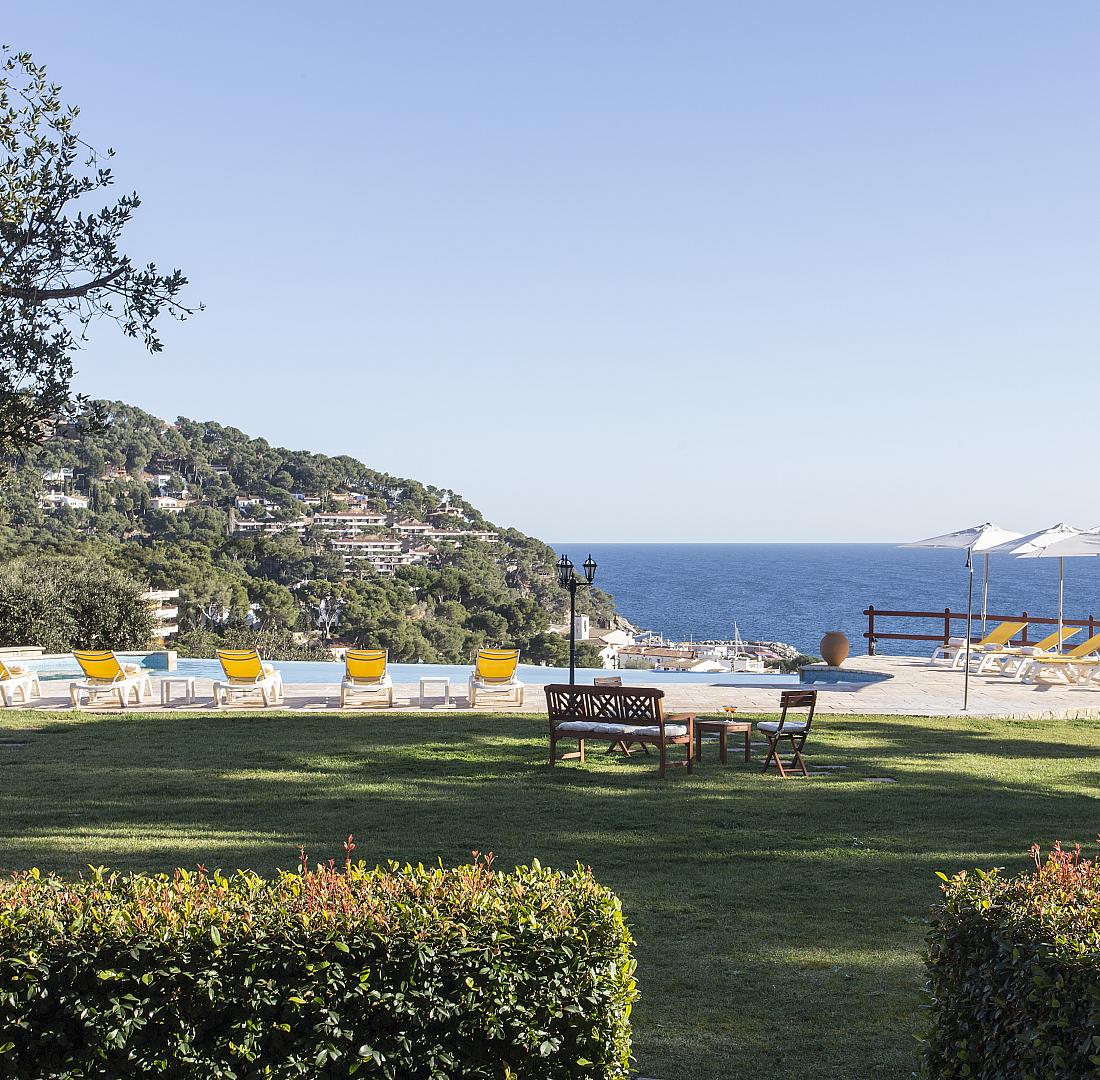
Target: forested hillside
{"points": [[301, 546]]}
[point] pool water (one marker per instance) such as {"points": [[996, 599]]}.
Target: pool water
{"points": [[297, 672]]}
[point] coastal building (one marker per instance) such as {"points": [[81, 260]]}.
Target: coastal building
{"points": [[381, 553], [411, 528], [162, 603], [446, 511], [265, 526], [55, 500], [350, 522], [57, 478], [169, 504]]}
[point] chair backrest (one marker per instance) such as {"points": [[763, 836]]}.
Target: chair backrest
{"points": [[5, 672], [642, 706], [99, 664], [1003, 633], [797, 699], [608, 680], [241, 663], [1056, 638], [496, 665], [1086, 648], [366, 663]]}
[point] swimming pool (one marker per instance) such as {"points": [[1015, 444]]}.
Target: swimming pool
{"points": [[298, 672]]}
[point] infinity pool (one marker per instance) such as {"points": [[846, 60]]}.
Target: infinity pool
{"points": [[296, 672]]}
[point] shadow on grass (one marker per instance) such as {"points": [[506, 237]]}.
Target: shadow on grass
{"points": [[746, 893]]}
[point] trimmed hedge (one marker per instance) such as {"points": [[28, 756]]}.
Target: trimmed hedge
{"points": [[396, 971], [1014, 974]]}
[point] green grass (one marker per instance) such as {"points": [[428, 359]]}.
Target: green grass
{"points": [[779, 925]]}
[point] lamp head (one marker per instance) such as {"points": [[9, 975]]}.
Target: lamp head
{"points": [[565, 571], [589, 565]]}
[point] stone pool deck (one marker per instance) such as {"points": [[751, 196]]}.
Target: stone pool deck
{"points": [[914, 688]]}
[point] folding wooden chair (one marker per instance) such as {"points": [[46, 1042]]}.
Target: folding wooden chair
{"points": [[795, 730], [619, 747]]}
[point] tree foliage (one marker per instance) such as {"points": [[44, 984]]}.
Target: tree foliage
{"points": [[231, 585], [61, 263], [61, 604]]}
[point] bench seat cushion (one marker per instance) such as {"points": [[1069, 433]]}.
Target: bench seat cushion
{"points": [[595, 727], [795, 727]]}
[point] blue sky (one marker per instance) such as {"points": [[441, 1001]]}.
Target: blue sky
{"points": [[622, 271]]}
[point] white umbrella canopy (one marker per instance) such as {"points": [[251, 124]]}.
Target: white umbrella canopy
{"points": [[1036, 541], [978, 539], [1059, 542]]}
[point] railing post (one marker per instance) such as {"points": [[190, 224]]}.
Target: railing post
{"points": [[946, 625], [1023, 618], [871, 630], [1092, 626]]}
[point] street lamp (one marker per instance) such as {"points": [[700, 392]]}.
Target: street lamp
{"points": [[567, 579]]}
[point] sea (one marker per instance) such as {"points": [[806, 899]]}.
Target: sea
{"points": [[796, 592]]}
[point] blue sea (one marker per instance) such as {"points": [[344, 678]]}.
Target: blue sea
{"points": [[795, 592]]}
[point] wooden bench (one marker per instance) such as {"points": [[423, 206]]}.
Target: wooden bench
{"points": [[616, 714]]}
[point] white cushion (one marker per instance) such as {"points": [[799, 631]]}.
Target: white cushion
{"points": [[594, 727], [772, 726]]}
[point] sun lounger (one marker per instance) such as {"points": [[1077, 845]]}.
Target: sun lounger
{"points": [[366, 675], [1079, 665], [245, 674], [15, 677], [106, 675], [495, 673], [955, 649], [1010, 660]]}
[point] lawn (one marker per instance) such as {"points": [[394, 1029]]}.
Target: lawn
{"points": [[779, 924]]}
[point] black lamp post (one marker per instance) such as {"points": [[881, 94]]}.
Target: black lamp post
{"points": [[567, 579]]}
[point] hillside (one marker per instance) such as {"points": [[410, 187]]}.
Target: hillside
{"points": [[302, 547]]}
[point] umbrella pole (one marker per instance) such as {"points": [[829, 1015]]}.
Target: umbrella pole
{"points": [[969, 615], [985, 592], [1061, 582]]}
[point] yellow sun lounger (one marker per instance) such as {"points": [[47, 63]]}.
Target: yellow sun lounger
{"points": [[955, 649], [105, 674], [246, 673], [366, 673], [18, 677], [1079, 665], [495, 673], [1012, 659]]}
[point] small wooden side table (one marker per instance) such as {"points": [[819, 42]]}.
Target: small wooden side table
{"points": [[724, 728]]}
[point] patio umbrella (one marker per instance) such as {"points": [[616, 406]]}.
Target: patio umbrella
{"points": [[981, 539], [1065, 543]]}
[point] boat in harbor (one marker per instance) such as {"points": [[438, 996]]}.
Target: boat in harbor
{"points": [[741, 659]]}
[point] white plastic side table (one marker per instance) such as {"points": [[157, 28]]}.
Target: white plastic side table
{"points": [[184, 682], [439, 684]]}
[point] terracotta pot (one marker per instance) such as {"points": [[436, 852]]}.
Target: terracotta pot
{"points": [[834, 648]]}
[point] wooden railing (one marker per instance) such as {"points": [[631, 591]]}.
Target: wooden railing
{"points": [[946, 617]]}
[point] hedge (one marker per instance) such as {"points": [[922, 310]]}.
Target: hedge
{"points": [[396, 971], [1014, 974]]}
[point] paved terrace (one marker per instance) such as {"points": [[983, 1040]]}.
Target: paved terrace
{"points": [[915, 688]]}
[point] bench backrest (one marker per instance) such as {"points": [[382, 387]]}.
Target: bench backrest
{"points": [[642, 706]]}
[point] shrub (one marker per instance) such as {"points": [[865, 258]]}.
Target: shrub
{"points": [[1014, 968], [61, 604], [398, 972], [271, 642]]}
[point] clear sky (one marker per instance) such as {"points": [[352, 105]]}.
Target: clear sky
{"points": [[722, 271]]}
